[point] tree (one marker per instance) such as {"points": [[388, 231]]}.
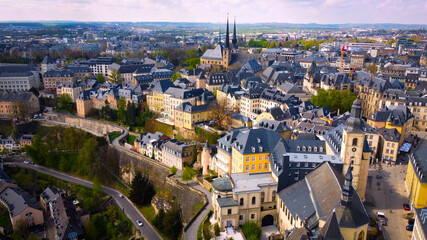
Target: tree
{"points": [[203, 48], [191, 54], [172, 223], [251, 230], [100, 78], [66, 103], [222, 112], [175, 76], [23, 110], [217, 230], [115, 77], [4, 151], [192, 63], [158, 219], [173, 170], [121, 113], [131, 112], [273, 44], [334, 99], [142, 189], [372, 68]]}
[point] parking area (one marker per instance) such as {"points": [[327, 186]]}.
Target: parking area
{"points": [[386, 193]]}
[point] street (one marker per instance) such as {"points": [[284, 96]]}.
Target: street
{"points": [[386, 191], [147, 231]]}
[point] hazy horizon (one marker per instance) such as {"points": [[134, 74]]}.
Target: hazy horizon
{"points": [[215, 11]]}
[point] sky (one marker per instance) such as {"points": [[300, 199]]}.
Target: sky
{"points": [[215, 11]]}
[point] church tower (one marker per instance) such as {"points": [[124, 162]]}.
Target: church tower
{"points": [[352, 149], [234, 41], [226, 58]]}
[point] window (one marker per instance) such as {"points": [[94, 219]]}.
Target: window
{"points": [[253, 200], [298, 164], [241, 217], [253, 159], [229, 211], [241, 201], [273, 196], [260, 158], [306, 164], [388, 144], [262, 197], [354, 141], [247, 159], [252, 216], [253, 166], [266, 166], [247, 168], [260, 166]]}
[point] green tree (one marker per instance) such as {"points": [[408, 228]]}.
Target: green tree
{"points": [[142, 189], [100, 78], [334, 99], [4, 151], [175, 76], [191, 54], [173, 170], [131, 112], [65, 102], [217, 230], [251, 230], [272, 44], [158, 219], [115, 77], [121, 113], [372, 68], [192, 63], [172, 223], [203, 48], [87, 155]]}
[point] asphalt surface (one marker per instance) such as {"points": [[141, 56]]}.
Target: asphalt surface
{"points": [[147, 231], [191, 232]]}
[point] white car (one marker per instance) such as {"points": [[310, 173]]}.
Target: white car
{"points": [[139, 223], [120, 195], [26, 162]]}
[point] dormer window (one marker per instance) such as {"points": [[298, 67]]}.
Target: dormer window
{"points": [[253, 149], [258, 140], [309, 149], [298, 148], [321, 149], [260, 149], [304, 149], [315, 149]]}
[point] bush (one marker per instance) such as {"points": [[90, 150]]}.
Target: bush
{"points": [[216, 229], [173, 170], [205, 135], [251, 230], [188, 174]]}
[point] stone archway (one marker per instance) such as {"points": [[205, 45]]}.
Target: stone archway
{"points": [[267, 220]]}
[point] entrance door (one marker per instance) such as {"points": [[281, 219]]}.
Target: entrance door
{"points": [[267, 220]]}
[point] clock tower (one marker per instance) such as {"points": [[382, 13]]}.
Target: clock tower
{"points": [[352, 149]]}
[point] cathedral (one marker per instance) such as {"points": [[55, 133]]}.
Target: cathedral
{"points": [[219, 59]]}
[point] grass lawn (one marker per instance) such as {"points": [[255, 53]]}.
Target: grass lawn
{"points": [[114, 136], [131, 139]]}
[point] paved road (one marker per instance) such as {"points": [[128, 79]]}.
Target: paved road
{"points": [[191, 232], [124, 203]]}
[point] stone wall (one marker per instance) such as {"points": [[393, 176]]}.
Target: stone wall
{"points": [[185, 195]]}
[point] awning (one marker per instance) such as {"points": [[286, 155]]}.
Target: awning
{"points": [[405, 147]]}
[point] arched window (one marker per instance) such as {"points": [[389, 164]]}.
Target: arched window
{"points": [[273, 196], [354, 141], [253, 200], [241, 202]]}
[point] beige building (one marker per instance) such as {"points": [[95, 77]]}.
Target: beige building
{"points": [[22, 207], [243, 197], [323, 194], [357, 60], [52, 78], [21, 105], [72, 89]]}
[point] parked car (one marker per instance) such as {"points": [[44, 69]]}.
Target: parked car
{"points": [[381, 218], [26, 162], [139, 223], [411, 221], [406, 207], [410, 227]]}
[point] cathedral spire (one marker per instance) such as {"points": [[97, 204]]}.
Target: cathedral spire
{"points": [[347, 188], [227, 36], [234, 41]]}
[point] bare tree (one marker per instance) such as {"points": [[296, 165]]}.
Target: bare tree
{"points": [[115, 77], [22, 110], [222, 112]]}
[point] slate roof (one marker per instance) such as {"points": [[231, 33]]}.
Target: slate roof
{"points": [[272, 125], [319, 194], [331, 229], [144, 79], [183, 93], [58, 73], [227, 202], [189, 108], [253, 141], [48, 60], [218, 78], [251, 66], [378, 84], [15, 97], [162, 85], [214, 53], [245, 182], [222, 184], [240, 117], [290, 88], [390, 134], [17, 200], [397, 115]]}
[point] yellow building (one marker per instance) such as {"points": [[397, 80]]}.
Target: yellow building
{"points": [[343, 207], [187, 115], [155, 99], [416, 178], [420, 225], [418, 107], [250, 152], [390, 143]]}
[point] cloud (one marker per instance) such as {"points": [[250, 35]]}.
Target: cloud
{"points": [[246, 11]]}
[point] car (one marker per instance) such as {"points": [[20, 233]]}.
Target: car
{"points": [[120, 195], [410, 227], [411, 221], [26, 162], [406, 207], [381, 218], [139, 223]]}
